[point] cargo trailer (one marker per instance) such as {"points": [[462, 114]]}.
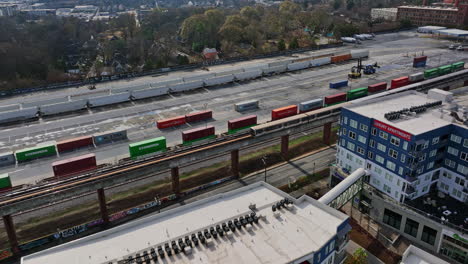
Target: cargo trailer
{"points": [[74, 143], [399, 82], [241, 123], [432, 73], [310, 105], [198, 134], [340, 58], [171, 122], [378, 87], [5, 182], [75, 165], [35, 152], [283, 112], [199, 116], [334, 99], [356, 93], [339, 84], [146, 147]]}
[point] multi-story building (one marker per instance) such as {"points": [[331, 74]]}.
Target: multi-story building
{"points": [[456, 15], [8, 9], [389, 14]]}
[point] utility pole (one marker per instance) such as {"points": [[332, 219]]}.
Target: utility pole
{"points": [[265, 166]]}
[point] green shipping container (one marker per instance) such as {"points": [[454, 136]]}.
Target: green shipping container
{"points": [[147, 147], [445, 69], [36, 152], [431, 73], [5, 181], [357, 93], [458, 66]]}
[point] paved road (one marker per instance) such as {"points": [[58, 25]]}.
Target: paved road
{"points": [[139, 117]]}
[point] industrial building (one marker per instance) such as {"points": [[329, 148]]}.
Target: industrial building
{"points": [[254, 224], [455, 14], [389, 14]]}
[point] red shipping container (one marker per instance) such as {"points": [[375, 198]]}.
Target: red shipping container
{"points": [[419, 59], [283, 112], [74, 143], [377, 87], [340, 58], [336, 98], [242, 122], [199, 116], [74, 165], [171, 122], [399, 82], [197, 133]]}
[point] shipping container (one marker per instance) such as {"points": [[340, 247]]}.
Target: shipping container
{"points": [[339, 84], [356, 93], [355, 54], [35, 152], [171, 122], [399, 82], [310, 105], [241, 123], [109, 137], [45, 102], [5, 182], [334, 99], [247, 105], [431, 73], [283, 112], [382, 86], [109, 99], [74, 143], [7, 158], [18, 115], [420, 64], [199, 116], [198, 134], [59, 108], [147, 147], [419, 59], [458, 66], [340, 58], [416, 77], [75, 165], [446, 69]]}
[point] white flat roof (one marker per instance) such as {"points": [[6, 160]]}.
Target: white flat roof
{"points": [[453, 32], [296, 233], [432, 27], [421, 123], [415, 255]]}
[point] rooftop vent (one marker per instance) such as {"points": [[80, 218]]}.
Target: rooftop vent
{"points": [[394, 115]]}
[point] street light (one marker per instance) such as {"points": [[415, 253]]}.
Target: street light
{"points": [[265, 166]]}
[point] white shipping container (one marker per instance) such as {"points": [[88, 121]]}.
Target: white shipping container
{"points": [[166, 83], [298, 65], [320, 62], [243, 76], [147, 93], [255, 67], [275, 69], [228, 72], [198, 77], [359, 54], [279, 63], [5, 108], [109, 99], [53, 109], [86, 95], [45, 102], [416, 77], [186, 86], [219, 80], [130, 88], [17, 115]]}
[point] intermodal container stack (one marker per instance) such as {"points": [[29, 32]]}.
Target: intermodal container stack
{"points": [[197, 134], [74, 165], [339, 84], [198, 116], [74, 143], [241, 123], [5, 182], [378, 87], [171, 122], [431, 73], [356, 93], [340, 58], [334, 99], [36, 152], [399, 82], [147, 147], [419, 61], [283, 112]]}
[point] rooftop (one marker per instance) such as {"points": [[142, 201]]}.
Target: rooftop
{"points": [[431, 8], [295, 233], [415, 255], [453, 32]]}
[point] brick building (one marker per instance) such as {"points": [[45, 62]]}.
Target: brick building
{"points": [[455, 14]]}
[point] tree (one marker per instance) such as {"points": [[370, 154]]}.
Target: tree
{"points": [[337, 4], [349, 4], [294, 44], [281, 45], [405, 23], [289, 7], [359, 256]]}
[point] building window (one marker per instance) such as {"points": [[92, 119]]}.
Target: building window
{"points": [[428, 235], [400, 171], [455, 138], [349, 156], [433, 153], [462, 169], [452, 151], [373, 131], [464, 156], [465, 143], [411, 227], [459, 181], [405, 145], [372, 143], [426, 145], [435, 140], [379, 159], [430, 165], [363, 127], [360, 150], [344, 131], [346, 120], [352, 135], [423, 157], [383, 135], [353, 123], [450, 163], [393, 153], [362, 139], [343, 142], [392, 219], [387, 189], [381, 147], [403, 158], [391, 165], [370, 155], [351, 146], [395, 141]]}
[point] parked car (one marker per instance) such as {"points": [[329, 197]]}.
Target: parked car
{"points": [[452, 46]]}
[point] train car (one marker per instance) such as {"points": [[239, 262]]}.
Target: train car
{"points": [[171, 122], [197, 134], [339, 84], [378, 87], [356, 93], [74, 143], [109, 137], [310, 105], [399, 82], [458, 66], [147, 147], [199, 116], [416, 77], [334, 99], [238, 124], [75, 165], [340, 58], [432, 73], [446, 69], [5, 182], [36, 152], [283, 112]]}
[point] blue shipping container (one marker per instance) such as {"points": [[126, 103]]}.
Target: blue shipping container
{"points": [[419, 64], [339, 84]]}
